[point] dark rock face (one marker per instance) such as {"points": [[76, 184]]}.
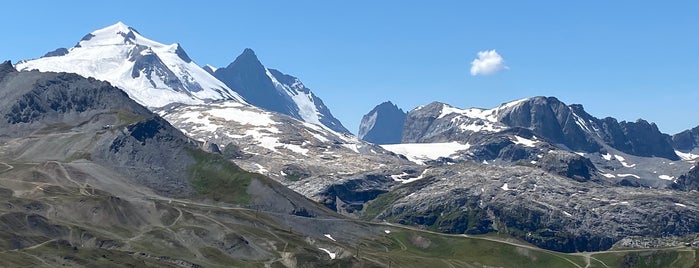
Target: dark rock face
{"points": [[153, 142], [421, 125], [58, 52], [551, 120], [383, 124], [568, 165], [686, 140], [247, 76], [150, 65], [35, 100], [689, 181], [349, 196], [638, 138], [5, 68]]}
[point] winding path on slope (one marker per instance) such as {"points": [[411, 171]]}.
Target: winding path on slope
{"points": [[8, 167]]}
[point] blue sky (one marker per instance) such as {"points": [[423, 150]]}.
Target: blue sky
{"points": [[626, 59]]}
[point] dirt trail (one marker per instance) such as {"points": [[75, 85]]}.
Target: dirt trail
{"points": [[82, 187]]}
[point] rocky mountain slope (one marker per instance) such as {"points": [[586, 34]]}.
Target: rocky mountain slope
{"points": [[90, 178], [308, 158], [546, 117], [543, 171], [152, 73], [275, 91], [89, 173], [383, 124], [545, 209]]}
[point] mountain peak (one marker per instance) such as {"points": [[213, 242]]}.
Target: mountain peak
{"points": [[249, 52], [5, 68], [118, 27], [247, 58], [387, 105], [383, 124], [152, 73], [115, 34]]}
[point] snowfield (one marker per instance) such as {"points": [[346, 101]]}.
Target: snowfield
{"points": [[422, 152], [152, 73]]}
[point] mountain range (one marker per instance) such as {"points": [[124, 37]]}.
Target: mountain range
{"points": [[124, 151], [156, 74]]}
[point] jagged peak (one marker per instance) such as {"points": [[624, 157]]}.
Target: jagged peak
{"points": [[387, 105], [5, 68], [248, 57]]}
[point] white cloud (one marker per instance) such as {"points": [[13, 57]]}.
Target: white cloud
{"points": [[487, 63]]}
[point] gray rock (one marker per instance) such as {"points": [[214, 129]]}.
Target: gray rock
{"points": [[383, 124], [247, 76]]}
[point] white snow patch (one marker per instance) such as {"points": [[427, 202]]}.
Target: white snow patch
{"points": [[330, 237], [261, 169], [622, 160], [610, 176], [244, 117], [403, 178], [607, 157], [524, 141], [505, 187], [422, 152], [303, 100], [580, 153], [387, 231], [580, 122], [629, 175], [680, 205], [567, 214], [666, 177], [686, 156], [331, 254], [351, 146]]}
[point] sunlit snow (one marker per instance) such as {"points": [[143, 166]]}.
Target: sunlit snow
{"points": [[331, 254], [686, 156], [329, 237], [108, 56], [422, 152], [629, 175], [666, 177]]}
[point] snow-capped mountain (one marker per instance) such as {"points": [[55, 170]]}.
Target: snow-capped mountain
{"points": [[275, 91], [546, 117], [383, 124], [152, 73]]}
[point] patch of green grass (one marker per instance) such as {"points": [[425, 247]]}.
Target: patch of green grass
{"points": [[214, 177], [375, 207], [293, 177], [650, 258], [127, 117], [417, 249]]}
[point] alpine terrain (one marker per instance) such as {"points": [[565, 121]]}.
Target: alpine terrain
{"points": [[275, 91], [122, 151], [151, 73]]}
